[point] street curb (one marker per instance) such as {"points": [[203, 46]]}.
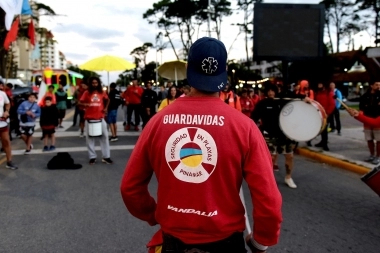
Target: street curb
{"points": [[320, 157]]}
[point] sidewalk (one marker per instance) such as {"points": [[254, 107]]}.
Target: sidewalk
{"points": [[347, 151]]}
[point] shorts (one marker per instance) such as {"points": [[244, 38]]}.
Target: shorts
{"points": [[48, 130], [81, 116], [61, 114], [372, 134], [26, 130], [276, 146], [111, 117]]}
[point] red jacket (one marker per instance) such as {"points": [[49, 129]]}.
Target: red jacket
{"points": [[247, 106], [200, 161], [133, 94], [326, 99], [371, 122]]}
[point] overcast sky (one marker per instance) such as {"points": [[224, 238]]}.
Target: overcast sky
{"points": [[92, 28]]}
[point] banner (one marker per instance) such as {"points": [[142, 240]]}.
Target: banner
{"points": [[11, 8]]}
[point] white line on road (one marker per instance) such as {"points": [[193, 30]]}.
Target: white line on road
{"points": [[71, 149]]}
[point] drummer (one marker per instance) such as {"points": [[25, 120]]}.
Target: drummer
{"points": [[267, 113]]}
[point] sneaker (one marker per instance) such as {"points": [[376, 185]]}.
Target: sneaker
{"points": [[276, 168], [319, 145], [290, 183], [52, 148], [127, 127], [11, 166], [113, 139], [92, 161], [325, 148], [137, 128], [46, 148], [107, 160], [308, 143], [376, 160], [369, 159], [81, 135], [27, 152]]}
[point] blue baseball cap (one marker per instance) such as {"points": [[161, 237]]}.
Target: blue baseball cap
{"points": [[207, 65]]}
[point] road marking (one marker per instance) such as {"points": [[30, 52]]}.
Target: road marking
{"points": [[76, 134], [70, 114], [3, 160], [68, 149]]}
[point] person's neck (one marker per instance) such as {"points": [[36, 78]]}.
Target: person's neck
{"points": [[373, 91], [197, 93]]}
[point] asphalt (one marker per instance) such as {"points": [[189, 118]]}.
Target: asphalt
{"points": [[347, 151], [82, 211]]}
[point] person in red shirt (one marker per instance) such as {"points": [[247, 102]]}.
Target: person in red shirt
{"points": [[304, 89], [229, 97], [246, 103], [133, 101], [95, 101], [49, 93], [371, 122], [325, 97], [200, 151]]}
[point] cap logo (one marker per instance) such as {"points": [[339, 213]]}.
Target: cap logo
{"points": [[209, 65]]}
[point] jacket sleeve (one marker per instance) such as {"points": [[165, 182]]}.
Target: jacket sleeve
{"points": [[373, 122], [21, 109], [256, 114], [134, 184], [38, 111], [238, 105], [266, 197], [330, 103], [311, 94]]}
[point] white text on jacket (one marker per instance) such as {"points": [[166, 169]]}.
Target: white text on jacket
{"points": [[208, 120], [193, 211]]}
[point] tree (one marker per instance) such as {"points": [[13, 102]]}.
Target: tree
{"points": [[247, 6], [141, 52], [374, 6], [343, 15], [184, 18], [149, 72]]}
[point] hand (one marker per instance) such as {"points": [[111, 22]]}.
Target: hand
{"points": [[353, 112], [29, 113], [6, 114], [253, 249], [105, 111], [307, 100], [148, 111]]}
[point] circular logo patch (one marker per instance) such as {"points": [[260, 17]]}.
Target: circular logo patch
{"points": [[191, 154], [287, 109]]}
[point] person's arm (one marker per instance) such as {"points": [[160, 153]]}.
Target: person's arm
{"points": [[37, 113], [311, 94], [163, 104], [21, 110], [372, 122], [83, 100], [331, 103], [106, 101], [7, 106], [238, 105], [266, 197], [134, 183]]}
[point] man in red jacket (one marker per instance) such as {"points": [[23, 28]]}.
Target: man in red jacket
{"points": [[325, 97], [200, 158], [133, 103]]}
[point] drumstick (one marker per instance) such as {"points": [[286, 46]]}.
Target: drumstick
{"points": [[344, 105]]}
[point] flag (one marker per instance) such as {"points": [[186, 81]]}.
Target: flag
{"points": [[12, 34], [36, 53], [26, 10], [11, 8], [31, 33]]}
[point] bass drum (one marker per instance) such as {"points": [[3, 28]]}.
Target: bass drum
{"points": [[301, 121], [94, 128]]}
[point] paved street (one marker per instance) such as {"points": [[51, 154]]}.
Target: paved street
{"points": [[82, 210]]}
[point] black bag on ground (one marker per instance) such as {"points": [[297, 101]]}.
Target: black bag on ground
{"points": [[63, 161]]}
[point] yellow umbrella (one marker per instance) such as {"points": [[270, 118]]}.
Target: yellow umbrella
{"points": [[173, 70], [107, 63]]}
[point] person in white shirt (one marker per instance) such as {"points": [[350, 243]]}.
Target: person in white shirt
{"points": [[4, 129]]}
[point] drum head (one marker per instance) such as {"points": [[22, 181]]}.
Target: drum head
{"points": [[300, 121]]}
